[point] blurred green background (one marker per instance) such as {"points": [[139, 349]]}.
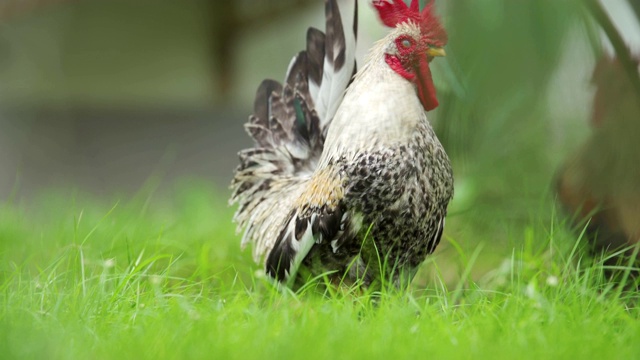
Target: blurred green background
{"points": [[105, 95]]}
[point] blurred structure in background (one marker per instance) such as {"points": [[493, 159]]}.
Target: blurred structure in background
{"points": [[102, 95]]}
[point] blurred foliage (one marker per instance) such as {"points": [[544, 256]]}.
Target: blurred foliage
{"points": [[503, 55], [494, 115]]}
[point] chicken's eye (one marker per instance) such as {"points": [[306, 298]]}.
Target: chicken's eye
{"points": [[406, 43]]}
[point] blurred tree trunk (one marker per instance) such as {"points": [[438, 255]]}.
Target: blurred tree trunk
{"points": [[228, 22], [225, 27]]}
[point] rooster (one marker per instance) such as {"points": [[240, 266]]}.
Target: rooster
{"points": [[347, 178]]}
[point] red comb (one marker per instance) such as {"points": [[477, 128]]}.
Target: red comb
{"points": [[394, 12]]}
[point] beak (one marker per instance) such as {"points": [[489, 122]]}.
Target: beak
{"points": [[433, 52]]}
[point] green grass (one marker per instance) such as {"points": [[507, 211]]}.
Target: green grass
{"points": [[149, 278]]}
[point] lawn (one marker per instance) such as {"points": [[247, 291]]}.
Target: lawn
{"points": [[163, 277]]}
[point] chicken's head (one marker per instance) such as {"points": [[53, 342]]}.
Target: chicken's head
{"points": [[417, 38]]}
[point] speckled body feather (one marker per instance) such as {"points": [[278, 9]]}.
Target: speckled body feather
{"points": [[397, 194], [373, 191]]}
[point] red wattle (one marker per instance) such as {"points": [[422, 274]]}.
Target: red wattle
{"points": [[426, 88], [396, 65]]}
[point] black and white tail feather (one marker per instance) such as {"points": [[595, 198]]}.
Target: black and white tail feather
{"points": [[289, 125]]}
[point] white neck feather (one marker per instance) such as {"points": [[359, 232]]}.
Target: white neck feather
{"points": [[380, 108]]}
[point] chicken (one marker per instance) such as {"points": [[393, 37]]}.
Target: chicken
{"points": [[354, 184], [598, 184]]}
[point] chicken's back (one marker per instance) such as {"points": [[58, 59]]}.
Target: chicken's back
{"points": [[289, 125]]}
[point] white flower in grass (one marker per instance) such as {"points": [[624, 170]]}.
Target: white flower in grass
{"points": [[109, 263], [194, 315], [531, 291], [552, 280], [155, 279], [259, 274]]}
